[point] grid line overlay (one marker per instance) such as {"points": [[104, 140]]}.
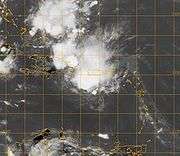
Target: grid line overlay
{"points": [[136, 75], [174, 119], [155, 60], [64, 117]]}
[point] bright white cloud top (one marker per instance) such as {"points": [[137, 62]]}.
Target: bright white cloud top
{"points": [[54, 17], [6, 65], [90, 61], [93, 69], [65, 55]]}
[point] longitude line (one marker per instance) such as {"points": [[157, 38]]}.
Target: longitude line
{"points": [[174, 61]]}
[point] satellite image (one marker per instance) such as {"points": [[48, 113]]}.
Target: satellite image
{"points": [[89, 77]]}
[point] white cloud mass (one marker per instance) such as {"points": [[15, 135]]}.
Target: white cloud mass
{"points": [[6, 65], [54, 17], [89, 61], [93, 69], [64, 55], [8, 62]]}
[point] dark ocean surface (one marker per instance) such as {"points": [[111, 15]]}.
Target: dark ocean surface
{"points": [[49, 102]]}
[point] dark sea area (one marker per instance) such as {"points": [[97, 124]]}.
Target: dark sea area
{"points": [[154, 47]]}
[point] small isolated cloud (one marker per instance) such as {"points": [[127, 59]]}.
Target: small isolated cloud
{"points": [[104, 136]]}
